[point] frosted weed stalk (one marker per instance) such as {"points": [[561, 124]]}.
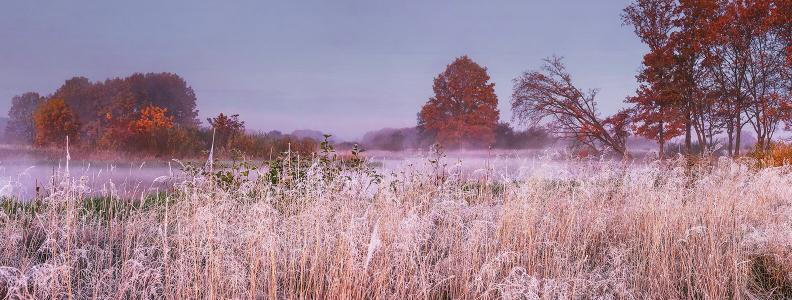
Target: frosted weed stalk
{"points": [[427, 231]]}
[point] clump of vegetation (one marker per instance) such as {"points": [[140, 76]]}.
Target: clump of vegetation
{"points": [[286, 168], [153, 114], [779, 154]]}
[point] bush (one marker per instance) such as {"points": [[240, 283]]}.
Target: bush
{"points": [[269, 145], [780, 154]]}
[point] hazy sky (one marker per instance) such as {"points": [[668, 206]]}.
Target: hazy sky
{"points": [[340, 66]]}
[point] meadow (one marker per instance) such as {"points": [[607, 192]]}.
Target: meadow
{"points": [[424, 229]]}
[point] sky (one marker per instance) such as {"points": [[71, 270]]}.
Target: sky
{"points": [[344, 67]]}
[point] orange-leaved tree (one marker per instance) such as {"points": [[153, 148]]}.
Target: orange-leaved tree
{"points": [[151, 119], [149, 129], [54, 121], [464, 109]]}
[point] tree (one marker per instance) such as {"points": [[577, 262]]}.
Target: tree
{"points": [[464, 109], [81, 96], [727, 61], [395, 141], [656, 107], [504, 136], [549, 95], [111, 130], [150, 129], [767, 91], [781, 20], [54, 121], [106, 108], [166, 90], [226, 127], [742, 35], [749, 55], [724, 63], [391, 139], [20, 127], [152, 118], [655, 117], [689, 43], [507, 137], [676, 73]]}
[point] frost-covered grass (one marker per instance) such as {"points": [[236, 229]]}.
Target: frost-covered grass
{"points": [[658, 230]]}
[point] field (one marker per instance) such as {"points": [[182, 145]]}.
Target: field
{"points": [[426, 228]]}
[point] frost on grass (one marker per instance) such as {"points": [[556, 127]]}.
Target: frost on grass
{"points": [[600, 230]]}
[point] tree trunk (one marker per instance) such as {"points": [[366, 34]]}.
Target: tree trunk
{"points": [[701, 137], [760, 143], [730, 134], [688, 136], [766, 141], [661, 152], [737, 144]]}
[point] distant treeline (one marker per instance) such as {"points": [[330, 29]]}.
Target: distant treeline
{"points": [[155, 114], [3, 125], [152, 114], [398, 139]]}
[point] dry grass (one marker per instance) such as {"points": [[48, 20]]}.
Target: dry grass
{"points": [[607, 232]]}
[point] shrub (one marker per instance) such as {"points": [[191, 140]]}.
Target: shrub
{"points": [[780, 154]]}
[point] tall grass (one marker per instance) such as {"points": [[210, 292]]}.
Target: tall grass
{"points": [[661, 230]]}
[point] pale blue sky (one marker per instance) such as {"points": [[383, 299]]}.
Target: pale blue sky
{"points": [[340, 66]]}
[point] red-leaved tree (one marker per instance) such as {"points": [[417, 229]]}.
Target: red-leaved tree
{"points": [[464, 109], [657, 110]]}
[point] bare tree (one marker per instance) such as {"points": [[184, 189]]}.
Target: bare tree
{"points": [[550, 96], [766, 88]]}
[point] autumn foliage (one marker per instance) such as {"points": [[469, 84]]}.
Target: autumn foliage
{"points": [[713, 67], [464, 110], [54, 122], [152, 114], [152, 118], [149, 131]]}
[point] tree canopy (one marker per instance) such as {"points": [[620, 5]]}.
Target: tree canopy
{"points": [[107, 107], [712, 67], [226, 127], [464, 108], [20, 127], [54, 121], [142, 114]]}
